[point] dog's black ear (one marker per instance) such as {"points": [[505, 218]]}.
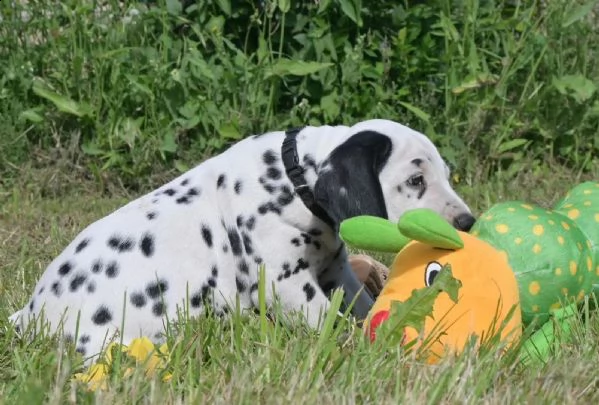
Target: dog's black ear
{"points": [[350, 185]]}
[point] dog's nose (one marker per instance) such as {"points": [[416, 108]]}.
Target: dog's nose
{"points": [[464, 222]]}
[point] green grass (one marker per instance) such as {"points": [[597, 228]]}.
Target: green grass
{"points": [[245, 360], [94, 111]]}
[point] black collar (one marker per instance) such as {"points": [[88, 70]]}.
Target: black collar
{"points": [[295, 173]]}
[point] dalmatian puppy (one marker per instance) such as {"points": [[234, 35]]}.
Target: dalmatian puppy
{"points": [[197, 242]]}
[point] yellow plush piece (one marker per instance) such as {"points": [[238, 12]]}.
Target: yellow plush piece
{"points": [[488, 293]]}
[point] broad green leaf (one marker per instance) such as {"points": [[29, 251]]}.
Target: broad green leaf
{"points": [[91, 149], [480, 80], [168, 143], [63, 103], [323, 5], [352, 9], [576, 86], [426, 226], [225, 6], [372, 233], [511, 144], [416, 111], [284, 5], [330, 105], [31, 115], [285, 67], [578, 13], [174, 7], [180, 166], [229, 131], [414, 310]]}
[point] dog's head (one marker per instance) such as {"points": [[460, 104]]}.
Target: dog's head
{"points": [[384, 169]]}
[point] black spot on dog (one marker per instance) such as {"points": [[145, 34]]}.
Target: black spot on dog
{"points": [[31, 305], [158, 308], [155, 201], [151, 215], [286, 196], [214, 271], [257, 260], [112, 269], [328, 286], [120, 245], [243, 267], [68, 338], [264, 208], [185, 182], [41, 291], [417, 162], [102, 315], [220, 182], [273, 173], [307, 238], [295, 242], [212, 282], [65, 268], [241, 286], [310, 291], [269, 157], [238, 187], [97, 266], [247, 243], [183, 200], [77, 282], [91, 287], [399, 189], [147, 245], [301, 265], [309, 161], [239, 221], [316, 244], [84, 339], [170, 192], [207, 235], [81, 350], [225, 248], [56, 288], [250, 223], [193, 192], [315, 232], [409, 196], [82, 245], [269, 188], [154, 289], [234, 241], [138, 300]]}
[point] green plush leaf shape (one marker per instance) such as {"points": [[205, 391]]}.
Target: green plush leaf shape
{"points": [[426, 226], [372, 233]]}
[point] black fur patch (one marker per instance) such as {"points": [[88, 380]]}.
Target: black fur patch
{"points": [[91, 287], [81, 350], [147, 245], [138, 300], [185, 182], [158, 308], [239, 221], [97, 266], [241, 286], [41, 291], [269, 157], [315, 232], [295, 242], [31, 305], [119, 244], [112, 269], [151, 215], [310, 291], [170, 192], [77, 281], [65, 268], [238, 187], [200, 297], [301, 265], [84, 339], [154, 289], [82, 245], [247, 243], [221, 181], [234, 241], [286, 197], [214, 271], [243, 267], [250, 223], [273, 173], [102, 316], [207, 235], [225, 248]]}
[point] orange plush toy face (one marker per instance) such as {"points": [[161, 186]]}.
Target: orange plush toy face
{"points": [[486, 303], [487, 295]]}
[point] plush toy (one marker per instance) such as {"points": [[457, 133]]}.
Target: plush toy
{"points": [[555, 253], [487, 299], [554, 256]]}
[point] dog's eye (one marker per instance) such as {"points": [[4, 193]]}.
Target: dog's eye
{"points": [[416, 181], [432, 270]]}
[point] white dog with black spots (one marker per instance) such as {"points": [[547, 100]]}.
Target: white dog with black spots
{"points": [[274, 199]]}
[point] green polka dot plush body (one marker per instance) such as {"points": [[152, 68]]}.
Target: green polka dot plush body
{"points": [[554, 253]]}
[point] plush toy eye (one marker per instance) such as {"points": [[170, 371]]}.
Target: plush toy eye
{"points": [[432, 269]]}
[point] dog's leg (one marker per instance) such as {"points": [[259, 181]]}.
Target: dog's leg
{"points": [[340, 274]]}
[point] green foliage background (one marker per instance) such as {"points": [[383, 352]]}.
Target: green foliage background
{"points": [[135, 88]]}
